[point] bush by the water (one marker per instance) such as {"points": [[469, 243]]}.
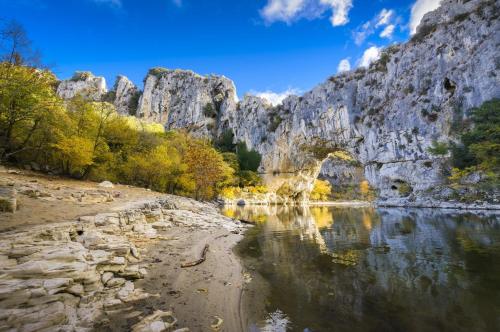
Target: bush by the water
{"points": [[321, 190]]}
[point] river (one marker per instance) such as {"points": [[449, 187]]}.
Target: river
{"points": [[365, 269]]}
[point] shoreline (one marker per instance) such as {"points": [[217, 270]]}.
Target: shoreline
{"points": [[116, 265], [438, 205], [382, 204], [199, 295]]}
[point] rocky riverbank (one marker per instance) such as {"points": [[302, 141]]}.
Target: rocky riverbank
{"points": [[437, 204], [116, 263]]}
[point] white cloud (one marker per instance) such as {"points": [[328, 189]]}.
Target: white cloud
{"points": [[362, 33], [340, 8], [282, 10], [289, 10], [384, 17], [113, 3], [388, 31], [275, 98], [419, 9], [344, 65], [370, 55]]}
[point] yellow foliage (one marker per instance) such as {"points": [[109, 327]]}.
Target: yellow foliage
{"points": [[257, 189], [458, 174], [91, 140], [229, 212], [207, 169], [367, 221], [341, 155], [366, 191], [364, 187], [230, 192], [323, 217], [75, 153], [321, 191], [141, 125]]}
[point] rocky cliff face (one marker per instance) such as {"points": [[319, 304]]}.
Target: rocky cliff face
{"points": [[126, 96], [385, 116], [83, 83], [388, 115], [183, 99]]}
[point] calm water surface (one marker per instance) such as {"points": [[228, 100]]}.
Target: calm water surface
{"points": [[342, 269]]}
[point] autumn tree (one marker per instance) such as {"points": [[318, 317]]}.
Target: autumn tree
{"points": [[321, 190], [207, 168], [27, 99]]}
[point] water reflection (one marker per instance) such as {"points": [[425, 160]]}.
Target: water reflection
{"points": [[340, 269]]}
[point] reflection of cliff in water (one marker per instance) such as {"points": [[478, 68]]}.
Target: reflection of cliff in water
{"points": [[385, 269]]}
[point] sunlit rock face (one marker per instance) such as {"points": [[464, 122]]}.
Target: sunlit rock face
{"points": [[183, 99], [388, 115], [126, 96], [83, 83], [385, 116]]}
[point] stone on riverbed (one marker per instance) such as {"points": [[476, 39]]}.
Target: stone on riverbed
{"points": [[68, 276], [158, 322], [106, 184]]}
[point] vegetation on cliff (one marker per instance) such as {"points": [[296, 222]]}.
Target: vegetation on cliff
{"points": [[475, 157]]}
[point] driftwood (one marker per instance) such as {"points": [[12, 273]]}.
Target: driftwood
{"points": [[199, 261]]}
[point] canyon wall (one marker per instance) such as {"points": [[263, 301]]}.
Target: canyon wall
{"points": [[385, 116]]}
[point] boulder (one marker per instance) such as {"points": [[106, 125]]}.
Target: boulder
{"points": [[106, 184], [159, 321]]}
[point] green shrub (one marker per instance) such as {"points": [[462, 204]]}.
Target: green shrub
{"points": [[274, 121], [232, 160], [480, 146], [249, 179], [438, 148], [404, 189], [133, 103], [157, 71], [225, 142], [423, 32], [249, 159], [81, 76], [209, 111], [381, 64]]}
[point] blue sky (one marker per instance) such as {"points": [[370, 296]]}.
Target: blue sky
{"points": [[263, 45]]}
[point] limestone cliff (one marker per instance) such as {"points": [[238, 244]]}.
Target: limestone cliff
{"points": [[388, 115], [83, 83], [385, 116], [126, 96], [183, 99]]}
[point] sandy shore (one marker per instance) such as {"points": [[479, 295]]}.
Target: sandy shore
{"points": [[200, 297], [200, 294]]}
